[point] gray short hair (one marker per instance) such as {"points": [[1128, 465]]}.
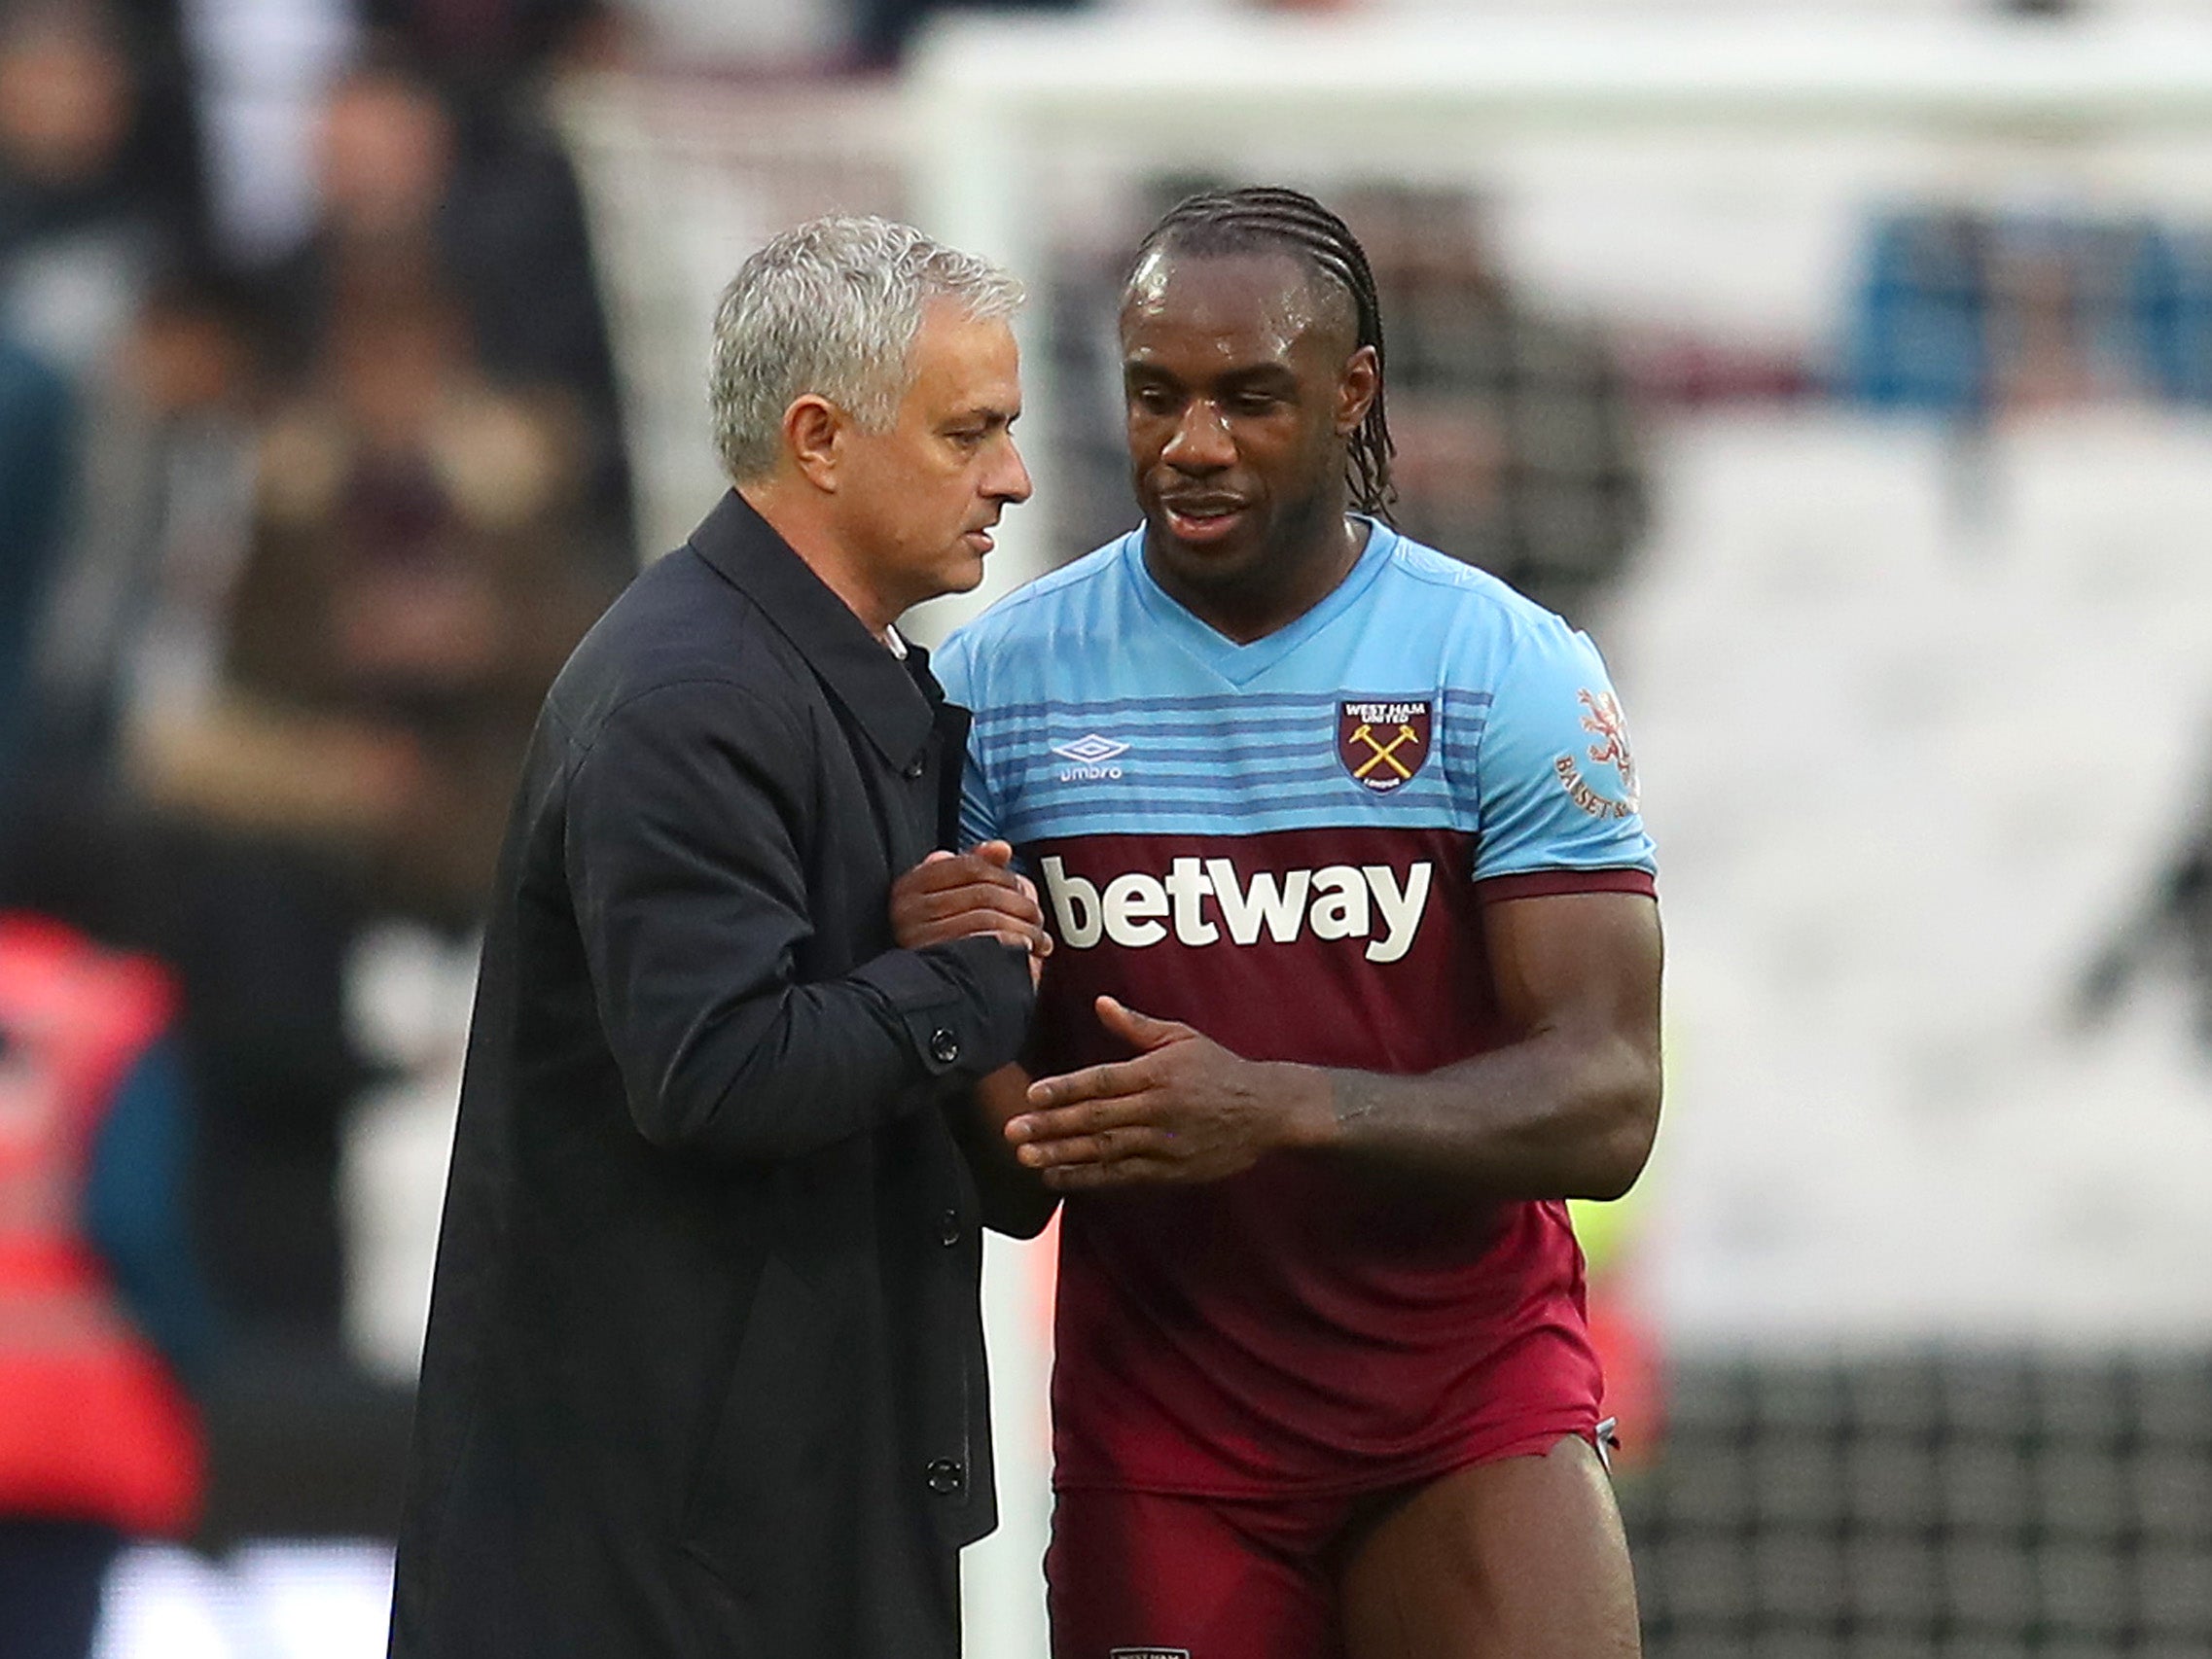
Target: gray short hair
{"points": [[832, 308]]}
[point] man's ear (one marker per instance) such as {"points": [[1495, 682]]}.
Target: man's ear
{"points": [[813, 435], [1356, 389]]}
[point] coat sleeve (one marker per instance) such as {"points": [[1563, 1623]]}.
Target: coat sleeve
{"points": [[682, 851]]}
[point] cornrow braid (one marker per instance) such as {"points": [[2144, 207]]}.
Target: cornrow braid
{"points": [[1261, 215]]}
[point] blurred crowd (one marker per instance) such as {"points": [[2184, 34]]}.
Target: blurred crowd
{"points": [[1970, 312], [296, 537], [299, 515]]}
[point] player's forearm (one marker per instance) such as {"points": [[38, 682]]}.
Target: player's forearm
{"points": [[1553, 1116]]}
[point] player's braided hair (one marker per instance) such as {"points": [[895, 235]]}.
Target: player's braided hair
{"points": [[1267, 216]]}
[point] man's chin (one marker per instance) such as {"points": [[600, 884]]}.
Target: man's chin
{"points": [[961, 573], [1208, 560]]}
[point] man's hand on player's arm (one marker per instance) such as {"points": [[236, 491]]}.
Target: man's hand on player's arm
{"points": [[950, 895], [1568, 1109]]}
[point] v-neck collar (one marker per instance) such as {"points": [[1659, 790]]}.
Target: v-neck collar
{"points": [[890, 695], [1241, 664]]}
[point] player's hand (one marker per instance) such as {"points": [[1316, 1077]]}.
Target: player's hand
{"points": [[956, 896], [1184, 1109]]}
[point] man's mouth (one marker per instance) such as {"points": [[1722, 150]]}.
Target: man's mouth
{"points": [[1202, 517], [979, 538]]}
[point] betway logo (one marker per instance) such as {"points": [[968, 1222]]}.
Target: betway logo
{"points": [[1338, 901]]}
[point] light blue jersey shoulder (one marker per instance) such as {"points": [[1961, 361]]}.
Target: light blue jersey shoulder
{"points": [[1421, 693]]}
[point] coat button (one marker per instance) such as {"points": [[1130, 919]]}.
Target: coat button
{"points": [[944, 1047], [947, 1478], [914, 768], [948, 1228]]}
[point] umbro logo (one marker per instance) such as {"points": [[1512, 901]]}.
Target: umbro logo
{"points": [[1093, 756], [1091, 751]]}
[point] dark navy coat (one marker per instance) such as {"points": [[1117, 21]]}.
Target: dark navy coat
{"points": [[704, 1375]]}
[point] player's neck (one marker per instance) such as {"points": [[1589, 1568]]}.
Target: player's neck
{"points": [[1281, 586]]}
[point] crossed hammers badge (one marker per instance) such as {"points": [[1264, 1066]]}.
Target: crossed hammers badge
{"points": [[1382, 741]]}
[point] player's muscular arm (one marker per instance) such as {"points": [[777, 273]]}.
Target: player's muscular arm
{"points": [[1567, 1109], [1570, 1107]]}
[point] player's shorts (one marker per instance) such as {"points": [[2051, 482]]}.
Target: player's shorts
{"points": [[1160, 1575]]}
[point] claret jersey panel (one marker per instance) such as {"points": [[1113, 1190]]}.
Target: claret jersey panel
{"points": [[1289, 844]]}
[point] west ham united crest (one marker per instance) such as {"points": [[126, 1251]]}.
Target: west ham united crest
{"points": [[1382, 741]]}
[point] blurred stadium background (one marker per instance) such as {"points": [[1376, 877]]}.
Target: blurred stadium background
{"points": [[1845, 367]]}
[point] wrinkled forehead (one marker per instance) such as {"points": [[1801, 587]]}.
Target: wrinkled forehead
{"points": [[1263, 298]]}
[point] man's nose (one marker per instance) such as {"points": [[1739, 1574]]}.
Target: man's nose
{"points": [[1008, 480], [1201, 442]]}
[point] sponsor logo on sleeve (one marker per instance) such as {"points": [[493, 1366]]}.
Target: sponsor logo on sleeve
{"points": [[1382, 741], [1601, 715]]}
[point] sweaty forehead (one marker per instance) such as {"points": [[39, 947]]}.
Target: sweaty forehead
{"points": [[1260, 298]]}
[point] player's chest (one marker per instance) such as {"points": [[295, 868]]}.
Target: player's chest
{"points": [[1395, 753]]}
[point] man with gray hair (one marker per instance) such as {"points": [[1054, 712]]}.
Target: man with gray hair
{"points": [[705, 1373]]}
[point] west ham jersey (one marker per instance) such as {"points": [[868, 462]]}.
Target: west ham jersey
{"points": [[1289, 845]]}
